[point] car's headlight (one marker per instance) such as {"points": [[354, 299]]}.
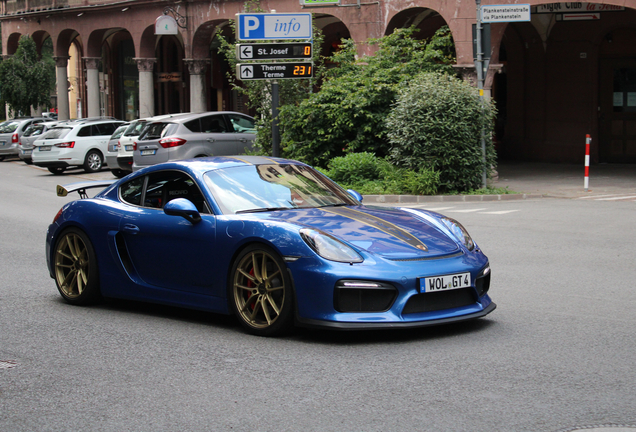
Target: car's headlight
{"points": [[459, 232], [329, 247]]}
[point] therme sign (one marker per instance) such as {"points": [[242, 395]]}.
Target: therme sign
{"points": [[274, 26]]}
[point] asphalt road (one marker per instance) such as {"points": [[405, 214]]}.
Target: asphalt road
{"points": [[558, 353]]}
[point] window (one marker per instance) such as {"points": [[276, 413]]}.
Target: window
{"points": [[213, 124], [104, 129], [157, 130], [84, 132], [161, 188], [130, 192], [193, 125], [242, 124]]}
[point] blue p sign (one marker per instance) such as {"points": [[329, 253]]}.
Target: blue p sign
{"points": [[262, 26]]}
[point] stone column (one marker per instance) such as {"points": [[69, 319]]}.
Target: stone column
{"points": [[92, 85], [146, 87], [61, 63], [196, 68]]}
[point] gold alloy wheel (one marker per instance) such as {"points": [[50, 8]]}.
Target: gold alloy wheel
{"points": [[259, 289], [72, 265]]}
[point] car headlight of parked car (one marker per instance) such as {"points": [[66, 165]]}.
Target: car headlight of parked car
{"points": [[328, 247], [459, 232]]}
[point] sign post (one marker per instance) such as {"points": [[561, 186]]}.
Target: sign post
{"points": [[274, 27]]}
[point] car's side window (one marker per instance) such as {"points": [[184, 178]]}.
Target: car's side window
{"points": [[103, 129], [213, 124], [242, 124], [131, 192], [84, 132], [165, 186], [193, 125]]}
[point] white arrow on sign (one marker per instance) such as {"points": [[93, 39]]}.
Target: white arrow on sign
{"points": [[247, 72], [247, 53]]}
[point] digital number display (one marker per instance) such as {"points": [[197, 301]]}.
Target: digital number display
{"points": [[302, 71]]}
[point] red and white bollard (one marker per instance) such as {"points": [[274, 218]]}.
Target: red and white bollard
{"points": [[586, 182]]}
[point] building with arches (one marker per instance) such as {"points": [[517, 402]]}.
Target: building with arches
{"points": [[568, 72]]}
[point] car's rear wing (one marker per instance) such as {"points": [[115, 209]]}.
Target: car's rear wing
{"points": [[80, 187]]}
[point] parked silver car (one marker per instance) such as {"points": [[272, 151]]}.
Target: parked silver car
{"points": [[188, 136], [10, 133], [33, 132]]}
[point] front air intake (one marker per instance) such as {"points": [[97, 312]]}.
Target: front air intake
{"points": [[363, 296]]}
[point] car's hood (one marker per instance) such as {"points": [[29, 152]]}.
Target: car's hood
{"points": [[391, 233]]}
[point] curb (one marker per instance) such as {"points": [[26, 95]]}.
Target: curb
{"points": [[415, 199]]}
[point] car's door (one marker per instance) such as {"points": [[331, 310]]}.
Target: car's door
{"points": [[169, 251], [213, 133]]}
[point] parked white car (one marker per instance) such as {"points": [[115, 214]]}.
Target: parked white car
{"points": [[127, 141], [83, 143], [111, 154]]}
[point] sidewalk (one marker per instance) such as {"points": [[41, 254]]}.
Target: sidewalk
{"points": [[537, 180]]}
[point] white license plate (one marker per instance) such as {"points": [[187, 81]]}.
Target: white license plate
{"points": [[128, 148], [148, 152], [45, 148], [445, 282], [2, 143], [27, 152]]}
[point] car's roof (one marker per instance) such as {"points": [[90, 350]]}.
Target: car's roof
{"points": [[201, 165], [181, 118]]}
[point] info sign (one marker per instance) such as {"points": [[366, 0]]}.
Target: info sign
{"points": [[505, 13], [273, 26], [273, 71], [274, 51]]}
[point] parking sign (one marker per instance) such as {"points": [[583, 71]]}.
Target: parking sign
{"points": [[273, 26]]}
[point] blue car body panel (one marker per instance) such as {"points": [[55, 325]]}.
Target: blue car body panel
{"points": [[144, 254]]}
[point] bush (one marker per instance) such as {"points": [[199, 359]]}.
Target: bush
{"points": [[347, 114], [436, 123], [371, 175]]}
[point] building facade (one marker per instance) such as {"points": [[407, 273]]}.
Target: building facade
{"points": [[568, 72]]}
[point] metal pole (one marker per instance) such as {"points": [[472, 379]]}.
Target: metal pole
{"points": [[479, 65], [275, 130]]}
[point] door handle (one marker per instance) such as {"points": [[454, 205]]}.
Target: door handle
{"points": [[210, 139], [243, 140], [131, 229]]}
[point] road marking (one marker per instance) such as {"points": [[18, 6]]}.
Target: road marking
{"points": [[469, 210], [499, 212], [624, 197], [597, 196]]}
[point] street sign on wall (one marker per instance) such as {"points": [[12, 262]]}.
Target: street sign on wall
{"points": [[273, 71], [273, 26], [274, 51], [505, 13]]}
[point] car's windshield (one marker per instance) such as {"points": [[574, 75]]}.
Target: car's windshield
{"points": [[273, 187], [156, 131], [9, 127], [56, 133], [33, 130], [118, 132], [135, 128]]}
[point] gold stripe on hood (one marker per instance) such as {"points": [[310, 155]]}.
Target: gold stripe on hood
{"points": [[379, 224]]}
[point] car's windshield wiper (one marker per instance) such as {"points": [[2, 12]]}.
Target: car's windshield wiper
{"points": [[334, 205], [259, 210]]}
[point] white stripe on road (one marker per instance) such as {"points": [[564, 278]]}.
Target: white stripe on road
{"points": [[624, 197], [469, 210], [499, 212]]}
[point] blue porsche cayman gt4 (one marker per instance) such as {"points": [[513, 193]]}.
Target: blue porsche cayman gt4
{"points": [[270, 240]]}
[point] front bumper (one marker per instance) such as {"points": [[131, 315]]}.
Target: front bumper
{"points": [[313, 323]]}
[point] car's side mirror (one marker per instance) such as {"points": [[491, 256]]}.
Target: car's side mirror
{"points": [[184, 208], [355, 194]]}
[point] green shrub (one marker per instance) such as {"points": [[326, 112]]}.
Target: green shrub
{"points": [[436, 124], [371, 175]]}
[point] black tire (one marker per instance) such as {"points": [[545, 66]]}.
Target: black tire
{"points": [[119, 173], [75, 268], [28, 161], [260, 292], [56, 170], [2, 158], [93, 162]]}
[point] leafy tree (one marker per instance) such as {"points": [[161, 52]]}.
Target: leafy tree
{"points": [[26, 80], [348, 113], [259, 92], [436, 123]]}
